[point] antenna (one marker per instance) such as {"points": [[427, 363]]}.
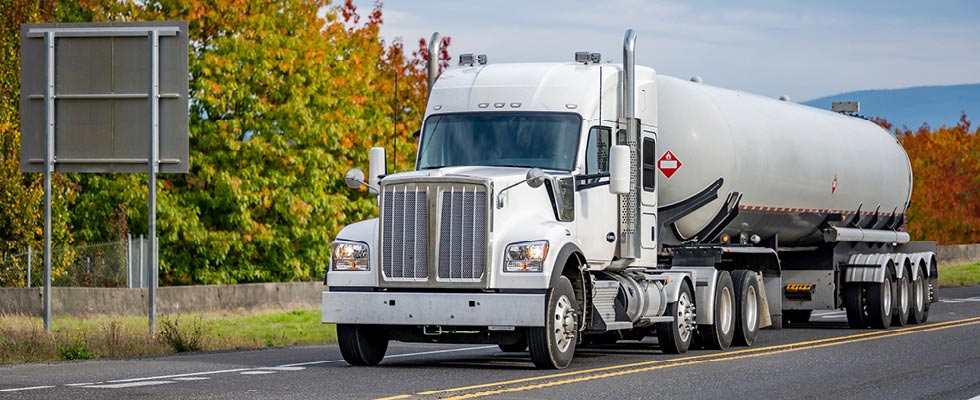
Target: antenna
{"points": [[394, 125]]}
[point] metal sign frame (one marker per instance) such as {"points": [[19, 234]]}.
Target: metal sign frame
{"points": [[153, 31]]}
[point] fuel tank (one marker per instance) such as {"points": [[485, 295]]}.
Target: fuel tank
{"points": [[785, 168]]}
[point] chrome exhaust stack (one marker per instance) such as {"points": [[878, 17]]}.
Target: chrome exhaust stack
{"points": [[629, 204], [435, 49]]}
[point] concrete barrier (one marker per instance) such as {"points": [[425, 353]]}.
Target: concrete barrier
{"points": [[77, 301], [958, 254]]}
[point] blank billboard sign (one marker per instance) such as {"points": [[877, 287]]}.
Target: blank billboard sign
{"points": [[100, 84]]}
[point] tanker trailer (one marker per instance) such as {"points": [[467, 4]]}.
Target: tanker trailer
{"points": [[558, 205]]}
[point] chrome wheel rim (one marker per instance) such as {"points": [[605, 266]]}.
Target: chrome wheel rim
{"points": [[887, 294], [725, 310], [919, 287], [564, 328], [751, 312], [684, 317]]}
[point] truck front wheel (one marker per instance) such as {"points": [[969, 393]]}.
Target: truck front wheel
{"points": [[362, 344], [554, 345], [675, 336]]}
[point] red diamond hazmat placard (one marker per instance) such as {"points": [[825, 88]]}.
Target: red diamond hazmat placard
{"points": [[668, 164]]}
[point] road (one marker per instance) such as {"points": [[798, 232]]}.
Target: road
{"points": [[824, 359]]}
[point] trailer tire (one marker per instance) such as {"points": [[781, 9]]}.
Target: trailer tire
{"points": [[675, 337], [920, 299], [553, 346], [855, 305], [797, 316], [879, 301], [747, 303], [362, 344], [902, 299], [719, 335]]}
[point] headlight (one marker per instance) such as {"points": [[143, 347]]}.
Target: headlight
{"points": [[350, 256], [526, 257]]}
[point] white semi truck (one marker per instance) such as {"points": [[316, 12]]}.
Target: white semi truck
{"points": [[556, 205]]}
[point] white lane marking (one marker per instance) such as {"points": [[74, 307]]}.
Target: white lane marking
{"points": [[422, 353], [82, 384], [129, 385], [256, 372], [950, 302], [224, 371], [192, 378], [26, 388], [282, 368], [976, 398]]}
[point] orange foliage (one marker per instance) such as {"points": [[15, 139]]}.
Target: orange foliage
{"points": [[946, 182]]}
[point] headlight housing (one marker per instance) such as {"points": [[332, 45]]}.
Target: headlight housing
{"points": [[526, 256], [350, 256]]}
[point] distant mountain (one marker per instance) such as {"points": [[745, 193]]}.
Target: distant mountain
{"points": [[911, 107]]}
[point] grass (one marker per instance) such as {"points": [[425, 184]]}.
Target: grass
{"points": [[959, 275], [22, 338]]}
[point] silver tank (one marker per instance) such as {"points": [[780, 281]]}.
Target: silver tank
{"points": [[793, 165]]}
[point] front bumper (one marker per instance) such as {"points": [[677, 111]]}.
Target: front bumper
{"points": [[450, 309]]}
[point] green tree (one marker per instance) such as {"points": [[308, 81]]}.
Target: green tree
{"points": [[283, 102], [21, 195]]}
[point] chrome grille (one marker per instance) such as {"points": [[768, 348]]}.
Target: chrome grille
{"points": [[463, 234], [405, 243]]}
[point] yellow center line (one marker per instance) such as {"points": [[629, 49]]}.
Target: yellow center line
{"points": [[726, 357], [401, 396], [689, 358]]}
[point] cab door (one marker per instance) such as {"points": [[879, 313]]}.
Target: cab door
{"points": [[596, 216]]}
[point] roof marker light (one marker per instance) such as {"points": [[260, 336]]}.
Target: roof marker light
{"points": [[586, 57]]}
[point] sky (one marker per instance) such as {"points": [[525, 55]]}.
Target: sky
{"points": [[803, 49]]}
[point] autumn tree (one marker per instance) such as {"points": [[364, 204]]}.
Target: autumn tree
{"points": [[21, 195], [283, 102], [946, 185]]}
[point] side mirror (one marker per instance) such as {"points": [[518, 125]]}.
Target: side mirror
{"points": [[619, 169], [354, 178], [535, 177], [377, 167]]}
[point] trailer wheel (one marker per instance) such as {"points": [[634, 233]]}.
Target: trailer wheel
{"points": [[920, 300], [879, 301], [797, 316], [854, 303], [519, 346], [362, 344], [718, 336], [903, 294], [675, 336], [553, 345], [746, 307]]}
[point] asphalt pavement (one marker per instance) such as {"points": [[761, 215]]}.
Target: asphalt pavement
{"points": [[821, 359]]}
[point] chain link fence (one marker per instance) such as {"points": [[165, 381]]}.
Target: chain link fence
{"points": [[112, 264]]}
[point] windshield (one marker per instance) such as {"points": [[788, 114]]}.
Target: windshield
{"points": [[504, 139]]}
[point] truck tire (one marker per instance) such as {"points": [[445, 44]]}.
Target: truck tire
{"points": [[553, 346], [518, 347], [920, 299], [718, 336], [362, 344], [675, 337], [747, 303], [855, 305], [902, 299], [797, 316], [880, 298]]}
